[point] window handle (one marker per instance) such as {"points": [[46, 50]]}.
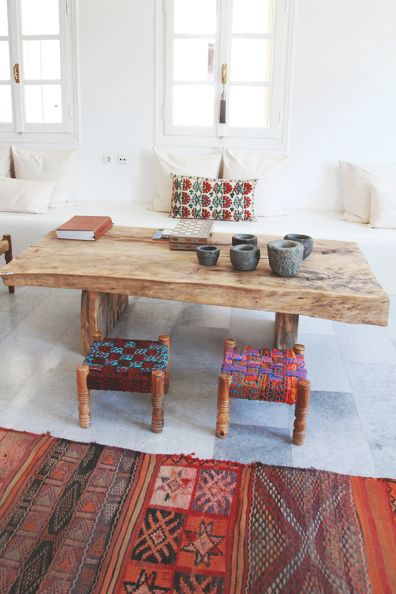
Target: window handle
{"points": [[224, 74], [15, 70]]}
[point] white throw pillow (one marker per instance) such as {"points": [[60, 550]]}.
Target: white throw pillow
{"points": [[241, 164], [200, 164], [23, 195], [57, 166], [383, 200], [5, 161], [356, 187]]}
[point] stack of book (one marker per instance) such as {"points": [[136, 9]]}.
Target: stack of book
{"points": [[190, 233]]}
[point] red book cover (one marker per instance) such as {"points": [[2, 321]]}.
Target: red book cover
{"points": [[84, 227]]}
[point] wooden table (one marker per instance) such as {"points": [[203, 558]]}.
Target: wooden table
{"points": [[334, 283]]}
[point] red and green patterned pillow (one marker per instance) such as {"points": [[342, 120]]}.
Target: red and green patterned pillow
{"points": [[218, 199]]}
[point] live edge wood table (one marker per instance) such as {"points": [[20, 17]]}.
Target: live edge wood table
{"points": [[334, 283]]}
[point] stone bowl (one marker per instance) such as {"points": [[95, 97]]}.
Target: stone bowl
{"points": [[244, 257], [243, 238], [306, 240], [285, 257], [208, 255]]}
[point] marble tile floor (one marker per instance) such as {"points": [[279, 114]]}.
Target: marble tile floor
{"points": [[352, 419]]}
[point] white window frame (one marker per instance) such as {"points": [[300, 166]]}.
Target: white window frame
{"points": [[276, 137], [68, 132]]}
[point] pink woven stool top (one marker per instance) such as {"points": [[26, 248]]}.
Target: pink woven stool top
{"points": [[264, 374]]}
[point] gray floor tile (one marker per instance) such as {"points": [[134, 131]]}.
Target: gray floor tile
{"points": [[335, 440], [118, 418], [309, 325], [326, 368], [148, 318], [262, 414], [249, 443], [208, 316], [252, 327], [375, 393], [365, 344], [197, 353]]}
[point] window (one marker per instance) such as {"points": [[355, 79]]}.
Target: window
{"points": [[203, 43], [37, 70]]}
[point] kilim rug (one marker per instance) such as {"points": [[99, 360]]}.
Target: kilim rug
{"points": [[82, 518]]}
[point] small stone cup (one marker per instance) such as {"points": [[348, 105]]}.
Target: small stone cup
{"points": [[306, 240], [244, 238], [208, 254], [285, 257], [244, 257]]}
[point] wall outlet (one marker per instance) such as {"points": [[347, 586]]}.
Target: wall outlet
{"points": [[122, 159], [108, 159]]}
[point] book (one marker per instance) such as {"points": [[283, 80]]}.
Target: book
{"points": [[85, 228]]}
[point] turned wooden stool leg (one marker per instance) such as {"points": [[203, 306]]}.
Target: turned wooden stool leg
{"points": [[299, 349], [223, 405], [163, 339], [301, 411], [84, 409], [229, 344], [8, 257], [157, 399]]}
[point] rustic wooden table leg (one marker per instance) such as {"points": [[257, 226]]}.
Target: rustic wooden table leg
{"points": [[84, 408], [286, 330], [99, 313], [223, 405], [8, 258], [301, 411], [157, 399]]}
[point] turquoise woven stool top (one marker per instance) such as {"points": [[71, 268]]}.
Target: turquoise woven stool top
{"points": [[264, 374], [124, 364]]}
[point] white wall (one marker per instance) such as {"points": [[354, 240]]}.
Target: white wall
{"points": [[342, 107]]}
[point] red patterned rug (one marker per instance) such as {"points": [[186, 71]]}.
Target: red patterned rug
{"points": [[86, 518]]}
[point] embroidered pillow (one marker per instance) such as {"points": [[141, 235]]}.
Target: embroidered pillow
{"points": [[207, 198]]}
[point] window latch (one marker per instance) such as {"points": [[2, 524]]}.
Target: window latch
{"points": [[223, 100], [15, 70]]}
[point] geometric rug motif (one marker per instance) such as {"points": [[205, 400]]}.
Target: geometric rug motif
{"points": [[215, 491], [86, 518], [174, 486]]}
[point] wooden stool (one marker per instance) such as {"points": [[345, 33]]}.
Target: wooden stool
{"points": [[125, 365], [266, 375], [6, 249]]}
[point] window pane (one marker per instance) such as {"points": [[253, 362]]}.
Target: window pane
{"points": [[253, 16], [251, 60], [4, 61], [40, 17], [195, 16], [41, 60], [193, 59], [5, 104], [193, 105], [43, 104], [249, 107], [3, 18]]}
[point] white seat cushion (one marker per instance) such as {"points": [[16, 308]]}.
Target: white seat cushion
{"points": [[57, 166]]}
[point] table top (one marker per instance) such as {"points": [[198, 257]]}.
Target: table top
{"points": [[334, 283]]}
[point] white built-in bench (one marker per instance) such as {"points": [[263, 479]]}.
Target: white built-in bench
{"points": [[378, 245]]}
